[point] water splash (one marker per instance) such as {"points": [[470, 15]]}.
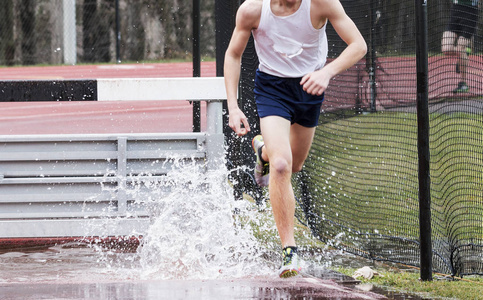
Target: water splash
{"points": [[198, 230]]}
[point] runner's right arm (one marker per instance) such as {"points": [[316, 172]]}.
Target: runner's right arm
{"points": [[247, 18]]}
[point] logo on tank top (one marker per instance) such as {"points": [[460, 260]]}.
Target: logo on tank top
{"points": [[287, 47]]}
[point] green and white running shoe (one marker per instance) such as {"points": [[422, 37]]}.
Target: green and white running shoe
{"points": [[290, 265], [262, 168]]}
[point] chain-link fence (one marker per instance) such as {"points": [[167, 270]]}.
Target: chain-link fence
{"points": [[35, 31]]}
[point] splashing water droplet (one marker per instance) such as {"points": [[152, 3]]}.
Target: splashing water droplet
{"points": [[194, 232]]}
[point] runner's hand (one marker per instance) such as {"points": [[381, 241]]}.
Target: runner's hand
{"points": [[315, 83], [236, 119]]}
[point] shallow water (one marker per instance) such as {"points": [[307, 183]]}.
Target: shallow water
{"points": [[75, 270], [194, 234], [75, 262], [198, 232]]}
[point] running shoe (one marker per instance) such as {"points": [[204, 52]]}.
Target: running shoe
{"points": [[290, 265], [462, 88], [262, 168]]}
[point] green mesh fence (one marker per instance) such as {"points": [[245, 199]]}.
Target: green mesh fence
{"points": [[359, 187]]}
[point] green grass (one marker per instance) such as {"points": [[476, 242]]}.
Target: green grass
{"points": [[440, 287], [392, 278], [362, 164], [363, 171]]}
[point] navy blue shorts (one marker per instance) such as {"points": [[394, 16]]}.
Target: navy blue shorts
{"points": [[285, 97]]}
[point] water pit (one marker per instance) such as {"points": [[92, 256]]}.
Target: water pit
{"points": [[196, 248]]}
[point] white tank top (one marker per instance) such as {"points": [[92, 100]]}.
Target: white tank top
{"points": [[289, 46]]}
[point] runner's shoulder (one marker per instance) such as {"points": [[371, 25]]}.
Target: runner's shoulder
{"points": [[249, 12]]}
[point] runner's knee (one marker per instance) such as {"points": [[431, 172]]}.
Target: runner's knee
{"points": [[280, 165]]}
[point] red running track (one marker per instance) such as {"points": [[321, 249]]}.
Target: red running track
{"points": [[100, 117]]}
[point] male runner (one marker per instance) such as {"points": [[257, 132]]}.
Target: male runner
{"points": [[456, 39], [291, 45]]}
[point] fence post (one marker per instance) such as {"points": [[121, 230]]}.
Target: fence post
{"points": [[196, 14], [372, 57], [423, 140], [118, 33], [69, 32]]}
